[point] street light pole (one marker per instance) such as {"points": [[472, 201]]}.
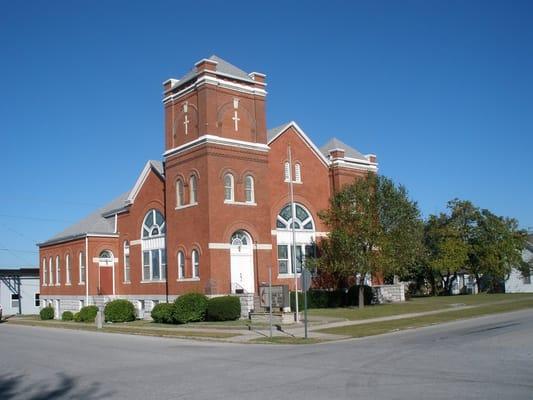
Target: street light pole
{"points": [[293, 217]]}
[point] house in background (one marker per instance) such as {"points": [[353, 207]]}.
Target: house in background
{"points": [[517, 282], [19, 291]]}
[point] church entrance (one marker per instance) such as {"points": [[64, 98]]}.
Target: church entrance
{"points": [[242, 263], [105, 273]]}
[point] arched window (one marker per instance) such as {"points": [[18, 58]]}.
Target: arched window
{"points": [[292, 254], [297, 173], [154, 260], [180, 199], [58, 271], [249, 189], [239, 238], [44, 272], [105, 256], [50, 272], [287, 172], [126, 261], [193, 195], [81, 263], [228, 187], [68, 270], [181, 265], [302, 220], [195, 257], [153, 224]]}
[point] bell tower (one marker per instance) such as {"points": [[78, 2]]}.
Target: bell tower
{"points": [[216, 147], [215, 98]]}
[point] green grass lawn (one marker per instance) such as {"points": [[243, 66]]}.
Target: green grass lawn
{"points": [[166, 330], [416, 305], [376, 328], [285, 340]]}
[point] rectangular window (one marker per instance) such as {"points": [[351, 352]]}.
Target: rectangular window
{"points": [[14, 300], [299, 259], [283, 259], [163, 264], [82, 267], [146, 265], [127, 267], [155, 264], [68, 269], [37, 300]]}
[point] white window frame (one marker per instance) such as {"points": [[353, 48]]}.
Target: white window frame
{"points": [[195, 263], [249, 189], [297, 173], [58, 272], [50, 272], [162, 265], [17, 300], [181, 264], [287, 171], [44, 272], [37, 299], [82, 268], [180, 193], [230, 187], [127, 267], [68, 271], [193, 190]]}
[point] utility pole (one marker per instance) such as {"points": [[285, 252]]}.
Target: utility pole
{"points": [[293, 250]]}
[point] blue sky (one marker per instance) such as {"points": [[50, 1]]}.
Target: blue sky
{"points": [[441, 91]]}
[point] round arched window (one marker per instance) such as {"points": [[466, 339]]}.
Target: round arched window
{"points": [[153, 224], [302, 218]]}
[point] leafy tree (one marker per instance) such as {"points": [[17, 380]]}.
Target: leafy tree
{"points": [[447, 252], [374, 228]]}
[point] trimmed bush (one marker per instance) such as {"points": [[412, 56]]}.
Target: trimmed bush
{"points": [[332, 298], [119, 310], [86, 314], [67, 316], [190, 307], [163, 313], [225, 308], [47, 313]]}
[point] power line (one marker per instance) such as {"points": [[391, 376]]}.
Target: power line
{"points": [[19, 251], [35, 218]]}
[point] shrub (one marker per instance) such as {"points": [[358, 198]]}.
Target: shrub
{"points": [[119, 310], [67, 316], [190, 307], [164, 313], [225, 308], [47, 313], [86, 314]]}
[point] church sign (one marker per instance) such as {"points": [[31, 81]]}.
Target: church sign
{"points": [[280, 296]]}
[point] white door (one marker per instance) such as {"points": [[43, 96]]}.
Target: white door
{"points": [[242, 264]]}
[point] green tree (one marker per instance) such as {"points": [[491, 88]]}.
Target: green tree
{"points": [[374, 228], [447, 252]]}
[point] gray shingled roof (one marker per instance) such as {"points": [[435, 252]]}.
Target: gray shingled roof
{"points": [[223, 67], [101, 221], [271, 133], [349, 151]]}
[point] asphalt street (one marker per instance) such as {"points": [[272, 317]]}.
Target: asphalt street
{"points": [[484, 358]]}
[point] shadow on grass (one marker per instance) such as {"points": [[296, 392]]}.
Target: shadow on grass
{"points": [[17, 387]]}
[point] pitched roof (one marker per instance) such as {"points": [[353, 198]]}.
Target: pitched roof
{"points": [[272, 133], [349, 151], [100, 221], [223, 67]]}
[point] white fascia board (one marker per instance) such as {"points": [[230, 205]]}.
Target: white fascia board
{"points": [[206, 60], [306, 139], [217, 82], [140, 182], [363, 167], [212, 139]]}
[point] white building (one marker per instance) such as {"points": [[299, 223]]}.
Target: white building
{"points": [[517, 282], [19, 291]]}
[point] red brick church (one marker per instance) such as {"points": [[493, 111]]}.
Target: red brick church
{"points": [[215, 213]]}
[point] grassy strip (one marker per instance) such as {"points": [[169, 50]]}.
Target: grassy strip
{"points": [[124, 329], [285, 340], [377, 328], [416, 305]]}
